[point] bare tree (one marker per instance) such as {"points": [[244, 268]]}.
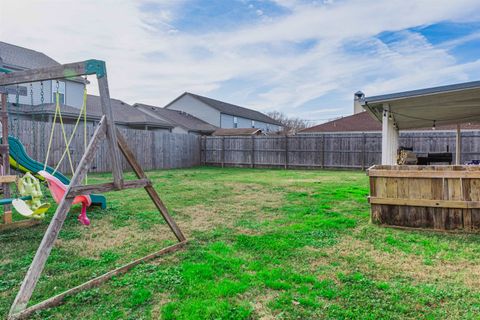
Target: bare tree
{"points": [[290, 124]]}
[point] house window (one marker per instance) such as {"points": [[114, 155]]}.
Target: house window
{"points": [[268, 127], [60, 86], [253, 123], [235, 122]]}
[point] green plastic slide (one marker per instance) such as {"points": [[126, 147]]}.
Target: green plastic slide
{"points": [[20, 160]]}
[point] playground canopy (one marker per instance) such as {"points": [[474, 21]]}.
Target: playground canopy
{"points": [[444, 105]]}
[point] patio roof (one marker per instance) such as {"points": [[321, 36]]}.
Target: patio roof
{"points": [[444, 105]]}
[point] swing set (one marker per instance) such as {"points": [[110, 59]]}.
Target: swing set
{"points": [[29, 203], [76, 191]]}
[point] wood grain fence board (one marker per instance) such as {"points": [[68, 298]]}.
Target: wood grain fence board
{"points": [[154, 149], [328, 150]]}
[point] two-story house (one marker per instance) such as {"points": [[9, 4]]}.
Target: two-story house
{"points": [[182, 122], [15, 58], [39, 98], [222, 114]]}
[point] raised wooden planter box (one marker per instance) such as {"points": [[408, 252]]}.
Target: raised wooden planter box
{"points": [[428, 197]]}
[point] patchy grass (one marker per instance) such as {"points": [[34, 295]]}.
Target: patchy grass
{"points": [[264, 244]]}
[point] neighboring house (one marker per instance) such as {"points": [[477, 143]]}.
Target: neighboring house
{"points": [[124, 114], [238, 132], [32, 106], [362, 121], [222, 114], [15, 58], [182, 122]]}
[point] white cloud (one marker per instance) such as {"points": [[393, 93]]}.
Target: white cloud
{"points": [[151, 60]]}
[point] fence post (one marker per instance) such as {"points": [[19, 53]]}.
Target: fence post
{"points": [[286, 152], [154, 159], [253, 152], [203, 151], [223, 151], [323, 151], [364, 141]]}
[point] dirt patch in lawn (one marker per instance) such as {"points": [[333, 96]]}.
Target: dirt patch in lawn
{"points": [[247, 201], [357, 255], [259, 304], [101, 236], [158, 302]]}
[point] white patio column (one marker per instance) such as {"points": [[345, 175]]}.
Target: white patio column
{"points": [[458, 145], [389, 137]]}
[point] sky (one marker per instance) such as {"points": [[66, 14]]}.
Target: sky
{"points": [[305, 58]]}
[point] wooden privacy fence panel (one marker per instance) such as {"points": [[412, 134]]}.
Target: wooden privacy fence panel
{"points": [[329, 150], [153, 149]]}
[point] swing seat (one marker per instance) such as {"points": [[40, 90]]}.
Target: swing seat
{"points": [[23, 208], [58, 189]]}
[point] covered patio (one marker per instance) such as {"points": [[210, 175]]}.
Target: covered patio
{"points": [[441, 197]]}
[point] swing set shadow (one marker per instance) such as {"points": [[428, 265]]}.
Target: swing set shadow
{"points": [[117, 144]]}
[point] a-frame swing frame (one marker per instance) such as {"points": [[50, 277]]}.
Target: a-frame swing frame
{"points": [[116, 143]]}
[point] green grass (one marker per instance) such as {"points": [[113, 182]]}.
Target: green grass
{"points": [[269, 244]]}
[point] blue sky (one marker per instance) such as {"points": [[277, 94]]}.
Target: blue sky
{"points": [[305, 58]]}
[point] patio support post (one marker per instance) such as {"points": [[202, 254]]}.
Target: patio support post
{"points": [[458, 145], [389, 137]]}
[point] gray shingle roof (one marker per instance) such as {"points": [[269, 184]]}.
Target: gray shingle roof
{"points": [[22, 58], [232, 109], [123, 113], [179, 118]]}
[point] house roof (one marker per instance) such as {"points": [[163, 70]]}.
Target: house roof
{"points": [[123, 113], [444, 105], [231, 109], [237, 132], [179, 118], [364, 122], [16, 57]]}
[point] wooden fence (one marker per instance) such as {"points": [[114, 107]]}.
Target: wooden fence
{"points": [[153, 149], [339, 150], [162, 150]]}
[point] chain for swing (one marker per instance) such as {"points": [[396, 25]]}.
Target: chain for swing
{"points": [[33, 122], [17, 104], [10, 115], [15, 125], [42, 118], [85, 134]]}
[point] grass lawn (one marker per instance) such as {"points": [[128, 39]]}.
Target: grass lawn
{"points": [[264, 244]]}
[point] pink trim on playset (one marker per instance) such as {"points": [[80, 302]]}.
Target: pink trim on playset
{"points": [[58, 189]]}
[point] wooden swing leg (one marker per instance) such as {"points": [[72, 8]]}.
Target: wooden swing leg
{"points": [[137, 168], [56, 300], [38, 263]]}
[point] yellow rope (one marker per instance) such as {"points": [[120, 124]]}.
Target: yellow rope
{"points": [[64, 135], [82, 111]]}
